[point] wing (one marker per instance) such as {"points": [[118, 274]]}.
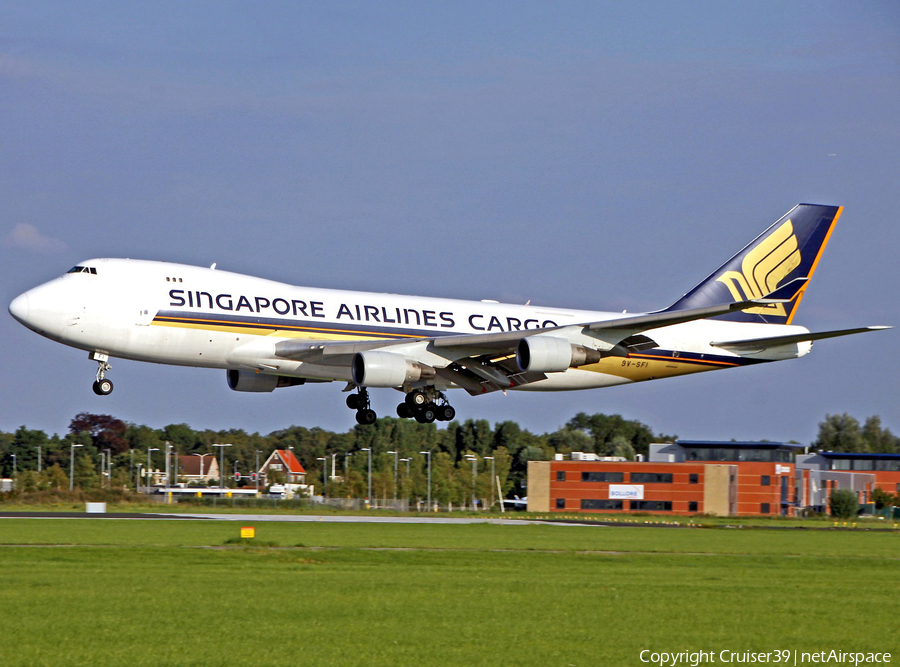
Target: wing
{"points": [[481, 363]]}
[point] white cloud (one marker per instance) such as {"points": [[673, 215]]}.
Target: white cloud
{"points": [[27, 237]]}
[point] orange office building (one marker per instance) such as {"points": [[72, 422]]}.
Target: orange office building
{"points": [[686, 477]]}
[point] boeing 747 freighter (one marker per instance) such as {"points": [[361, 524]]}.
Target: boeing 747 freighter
{"points": [[267, 334]]}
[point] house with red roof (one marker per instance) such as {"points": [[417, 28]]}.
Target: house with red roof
{"points": [[283, 466]]}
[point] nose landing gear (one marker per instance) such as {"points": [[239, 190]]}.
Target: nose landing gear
{"points": [[102, 386]]}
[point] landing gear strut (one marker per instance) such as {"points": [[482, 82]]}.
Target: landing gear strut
{"points": [[102, 386], [426, 406], [360, 402]]}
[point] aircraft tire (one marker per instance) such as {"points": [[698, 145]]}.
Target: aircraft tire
{"points": [[426, 414], [366, 417], [103, 387], [446, 413], [353, 402], [404, 411], [416, 399]]}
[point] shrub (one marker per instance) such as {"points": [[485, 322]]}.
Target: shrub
{"points": [[843, 503]]}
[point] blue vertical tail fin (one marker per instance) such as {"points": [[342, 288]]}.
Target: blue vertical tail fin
{"points": [[787, 250]]}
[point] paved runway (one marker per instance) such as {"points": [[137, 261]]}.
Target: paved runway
{"points": [[324, 518]]}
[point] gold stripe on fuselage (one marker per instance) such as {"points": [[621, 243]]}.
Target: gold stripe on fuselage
{"points": [[649, 367], [306, 333]]}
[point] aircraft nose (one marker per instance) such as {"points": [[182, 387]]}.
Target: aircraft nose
{"points": [[19, 307]]}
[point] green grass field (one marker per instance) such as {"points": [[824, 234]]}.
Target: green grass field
{"points": [[163, 592]]}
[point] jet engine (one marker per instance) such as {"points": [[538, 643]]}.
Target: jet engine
{"points": [[374, 368], [549, 354], [249, 381]]}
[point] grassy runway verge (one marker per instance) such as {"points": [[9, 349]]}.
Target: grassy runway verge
{"points": [[173, 593]]}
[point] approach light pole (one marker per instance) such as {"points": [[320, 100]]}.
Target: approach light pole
{"points": [[369, 485], [168, 464], [221, 463], [428, 453], [324, 460], [108, 471], [39, 458], [256, 470], [395, 473], [14, 465], [474, 460], [202, 459], [149, 465], [406, 479], [72, 466], [492, 479]]}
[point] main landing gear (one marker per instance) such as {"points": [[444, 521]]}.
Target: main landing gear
{"points": [[102, 386], [426, 406], [360, 402]]}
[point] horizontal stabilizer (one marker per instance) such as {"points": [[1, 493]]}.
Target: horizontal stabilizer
{"points": [[751, 345]]}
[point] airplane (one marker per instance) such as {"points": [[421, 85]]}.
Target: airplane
{"points": [[268, 335]]}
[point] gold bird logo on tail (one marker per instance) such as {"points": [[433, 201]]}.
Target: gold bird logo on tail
{"points": [[763, 268]]}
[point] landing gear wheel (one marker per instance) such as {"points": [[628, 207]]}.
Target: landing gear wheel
{"points": [[446, 413], [354, 402], [416, 399], [404, 411], [103, 387], [366, 417], [427, 414]]}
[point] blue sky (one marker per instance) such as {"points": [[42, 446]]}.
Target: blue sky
{"points": [[593, 155]]}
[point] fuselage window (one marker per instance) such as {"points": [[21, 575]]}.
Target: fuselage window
{"points": [[83, 269]]}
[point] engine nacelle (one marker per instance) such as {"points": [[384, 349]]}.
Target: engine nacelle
{"points": [[549, 354], [374, 368], [259, 382]]}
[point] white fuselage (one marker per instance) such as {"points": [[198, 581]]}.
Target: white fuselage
{"points": [[192, 316]]}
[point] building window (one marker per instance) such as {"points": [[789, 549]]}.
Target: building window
{"points": [[692, 506], [651, 478], [614, 477], [764, 508], [560, 503], [695, 478], [652, 505], [598, 504], [560, 475], [765, 480]]}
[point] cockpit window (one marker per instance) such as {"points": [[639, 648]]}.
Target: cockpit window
{"points": [[83, 269]]}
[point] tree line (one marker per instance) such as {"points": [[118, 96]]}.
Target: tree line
{"points": [[507, 446]]}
